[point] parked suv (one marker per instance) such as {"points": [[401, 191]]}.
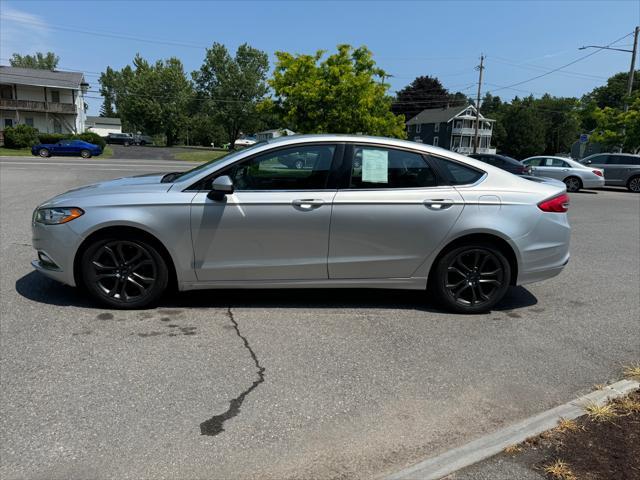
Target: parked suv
{"points": [[125, 139], [620, 169], [502, 161], [142, 139]]}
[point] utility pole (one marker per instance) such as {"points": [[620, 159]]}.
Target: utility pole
{"points": [[633, 66], [481, 68]]}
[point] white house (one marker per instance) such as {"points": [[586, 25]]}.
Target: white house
{"points": [[49, 100], [103, 126], [275, 133]]}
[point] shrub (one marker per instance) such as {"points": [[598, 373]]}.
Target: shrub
{"points": [[51, 137], [92, 137], [20, 136]]}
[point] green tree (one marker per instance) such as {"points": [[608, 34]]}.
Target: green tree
{"points": [[614, 93], [561, 121], [617, 129], [230, 88], [108, 89], [151, 98], [525, 129], [43, 61], [423, 92], [343, 93]]}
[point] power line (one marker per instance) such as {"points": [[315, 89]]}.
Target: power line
{"points": [[563, 66]]}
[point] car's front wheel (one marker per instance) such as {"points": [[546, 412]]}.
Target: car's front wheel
{"points": [[634, 184], [124, 273], [44, 152], [85, 153], [471, 278]]}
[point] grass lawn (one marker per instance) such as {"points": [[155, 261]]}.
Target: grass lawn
{"points": [[13, 152], [199, 156], [107, 152]]}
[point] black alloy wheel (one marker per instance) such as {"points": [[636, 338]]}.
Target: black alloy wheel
{"points": [[85, 153], [472, 278], [573, 184], [634, 184], [124, 273]]}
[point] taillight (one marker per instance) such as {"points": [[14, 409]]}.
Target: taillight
{"points": [[557, 204], [597, 172]]}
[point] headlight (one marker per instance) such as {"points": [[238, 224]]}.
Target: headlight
{"points": [[56, 216]]}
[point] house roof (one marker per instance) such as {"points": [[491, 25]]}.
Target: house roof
{"points": [[103, 120], [438, 115], [41, 78]]}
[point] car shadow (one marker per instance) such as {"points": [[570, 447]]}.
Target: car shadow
{"points": [[41, 289]]}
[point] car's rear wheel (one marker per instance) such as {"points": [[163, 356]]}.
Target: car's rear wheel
{"points": [[44, 152], [85, 153], [573, 184], [123, 273], [471, 278], [634, 184]]}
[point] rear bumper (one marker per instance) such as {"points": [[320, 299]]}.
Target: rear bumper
{"points": [[597, 182], [544, 251]]}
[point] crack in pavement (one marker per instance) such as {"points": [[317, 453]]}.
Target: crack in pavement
{"points": [[213, 426]]}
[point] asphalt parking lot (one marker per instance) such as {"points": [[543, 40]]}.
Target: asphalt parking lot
{"points": [[291, 384]]}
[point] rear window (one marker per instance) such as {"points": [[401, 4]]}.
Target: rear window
{"points": [[626, 160], [455, 173]]}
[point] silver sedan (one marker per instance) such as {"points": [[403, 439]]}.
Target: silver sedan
{"points": [[363, 212], [572, 173]]}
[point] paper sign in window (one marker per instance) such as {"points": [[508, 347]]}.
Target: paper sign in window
{"points": [[375, 166]]}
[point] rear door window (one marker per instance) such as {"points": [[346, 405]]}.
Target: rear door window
{"points": [[626, 160], [381, 167], [456, 173]]}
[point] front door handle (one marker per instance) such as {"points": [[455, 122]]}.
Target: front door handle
{"points": [[438, 203], [307, 203]]}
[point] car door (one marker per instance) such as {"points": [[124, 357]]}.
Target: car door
{"points": [[549, 169], [275, 225], [390, 213], [619, 167], [604, 163], [63, 147]]}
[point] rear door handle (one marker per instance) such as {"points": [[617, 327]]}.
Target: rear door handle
{"points": [[307, 203], [438, 203]]}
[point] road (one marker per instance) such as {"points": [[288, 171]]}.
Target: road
{"points": [[290, 384]]}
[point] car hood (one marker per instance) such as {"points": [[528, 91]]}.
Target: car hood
{"points": [[149, 183]]}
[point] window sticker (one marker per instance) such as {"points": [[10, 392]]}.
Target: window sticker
{"points": [[375, 166]]}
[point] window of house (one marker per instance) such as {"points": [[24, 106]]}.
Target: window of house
{"points": [[418, 128], [28, 121], [57, 126], [55, 96], [8, 122], [456, 142], [466, 141], [6, 92], [408, 128], [435, 141], [380, 167], [436, 128], [296, 168], [456, 173]]}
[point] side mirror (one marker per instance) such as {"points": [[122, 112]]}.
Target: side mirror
{"points": [[220, 187]]}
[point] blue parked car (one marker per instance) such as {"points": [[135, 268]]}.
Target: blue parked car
{"points": [[73, 148]]}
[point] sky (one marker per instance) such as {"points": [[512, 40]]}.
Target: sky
{"points": [[520, 39]]}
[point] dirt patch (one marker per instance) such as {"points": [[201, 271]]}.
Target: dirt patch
{"points": [[590, 449]]}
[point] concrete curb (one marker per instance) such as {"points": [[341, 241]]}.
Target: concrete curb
{"points": [[437, 467]]}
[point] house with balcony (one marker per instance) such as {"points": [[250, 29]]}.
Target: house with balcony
{"points": [[452, 128], [51, 101]]}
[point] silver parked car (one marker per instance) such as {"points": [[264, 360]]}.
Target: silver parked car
{"points": [[620, 169], [405, 216], [572, 173]]}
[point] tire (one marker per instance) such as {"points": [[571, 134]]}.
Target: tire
{"points": [[573, 184], [143, 143], [85, 153], [44, 153], [124, 273], [633, 185], [471, 278], [126, 144], [299, 164]]}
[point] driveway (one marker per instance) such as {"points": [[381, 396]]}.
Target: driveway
{"points": [[290, 384]]}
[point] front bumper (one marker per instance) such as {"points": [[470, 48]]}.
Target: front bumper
{"points": [[58, 243]]}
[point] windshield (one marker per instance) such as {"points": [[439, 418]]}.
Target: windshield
{"points": [[195, 171]]}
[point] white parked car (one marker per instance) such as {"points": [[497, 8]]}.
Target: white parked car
{"points": [[574, 175]]}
